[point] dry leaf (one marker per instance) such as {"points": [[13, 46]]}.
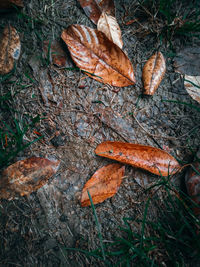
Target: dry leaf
{"points": [[153, 73], [148, 158], [94, 8], [192, 180], [192, 85], [109, 26], [94, 53], [26, 176], [10, 47], [103, 184], [10, 3]]}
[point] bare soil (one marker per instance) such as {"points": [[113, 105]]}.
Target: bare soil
{"points": [[77, 114]]}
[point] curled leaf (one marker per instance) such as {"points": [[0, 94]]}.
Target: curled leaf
{"points": [[10, 48], [26, 176], [109, 26], [100, 58], [149, 158], [94, 8], [103, 184], [153, 73]]}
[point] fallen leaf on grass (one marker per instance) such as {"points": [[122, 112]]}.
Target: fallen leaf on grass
{"points": [[103, 184], [10, 47], [10, 3], [26, 176], [100, 58], [192, 181], [148, 158], [192, 86], [94, 8], [153, 73], [109, 26]]}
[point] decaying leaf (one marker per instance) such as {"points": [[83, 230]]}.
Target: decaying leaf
{"points": [[153, 73], [94, 8], [11, 3], [108, 25], [55, 53], [192, 85], [26, 176], [148, 158], [100, 58], [103, 184], [10, 48], [192, 181]]}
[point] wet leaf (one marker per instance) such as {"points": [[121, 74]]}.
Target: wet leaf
{"points": [[103, 184], [100, 58], [153, 73], [148, 158], [192, 85], [26, 176], [109, 26], [94, 8], [10, 48], [11, 3], [192, 181], [55, 53]]}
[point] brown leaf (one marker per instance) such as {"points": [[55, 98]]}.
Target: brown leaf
{"points": [[10, 47], [26, 176], [94, 8], [148, 158], [10, 3], [153, 73], [94, 53], [192, 180], [109, 26], [103, 184]]}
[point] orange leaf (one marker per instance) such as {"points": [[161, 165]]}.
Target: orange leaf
{"points": [[10, 47], [94, 8], [94, 53], [153, 73], [148, 158], [10, 3], [192, 180], [26, 176], [103, 184]]}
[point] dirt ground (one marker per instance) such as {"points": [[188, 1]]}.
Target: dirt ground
{"points": [[77, 114]]}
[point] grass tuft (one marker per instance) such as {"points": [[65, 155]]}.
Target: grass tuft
{"points": [[12, 130], [171, 239]]}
